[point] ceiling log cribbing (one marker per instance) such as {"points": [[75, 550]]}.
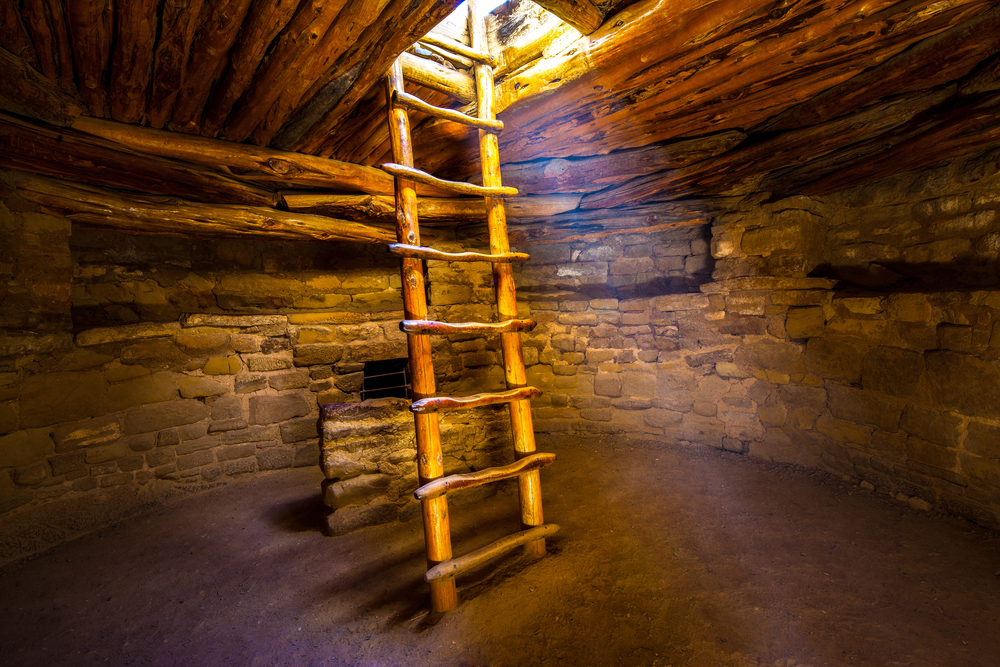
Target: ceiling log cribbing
{"points": [[52, 152], [282, 167], [27, 92], [137, 214]]}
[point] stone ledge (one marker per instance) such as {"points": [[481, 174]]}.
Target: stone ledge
{"points": [[767, 283], [126, 332]]}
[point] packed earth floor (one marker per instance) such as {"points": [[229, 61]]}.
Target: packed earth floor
{"points": [[667, 556]]}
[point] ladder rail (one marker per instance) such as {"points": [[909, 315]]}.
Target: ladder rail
{"points": [[522, 427], [430, 466]]}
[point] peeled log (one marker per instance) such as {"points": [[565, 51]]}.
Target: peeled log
{"points": [[90, 25], [262, 163], [584, 15], [44, 150], [180, 18], [436, 77], [27, 92], [176, 217], [135, 37], [429, 210]]}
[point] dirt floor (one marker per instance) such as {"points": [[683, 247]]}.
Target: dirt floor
{"points": [[666, 557]]}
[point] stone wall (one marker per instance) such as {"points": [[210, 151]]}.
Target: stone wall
{"points": [[136, 369]]}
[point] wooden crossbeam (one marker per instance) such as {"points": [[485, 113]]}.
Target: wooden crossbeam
{"points": [[456, 566], [465, 480], [444, 328]]}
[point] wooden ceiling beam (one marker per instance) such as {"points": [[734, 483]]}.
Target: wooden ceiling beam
{"points": [[14, 36], [44, 150], [132, 60], [429, 209], [179, 19], [400, 24], [213, 41], [280, 167], [137, 214], [584, 15], [90, 25], [27, 92], [266, 19]]}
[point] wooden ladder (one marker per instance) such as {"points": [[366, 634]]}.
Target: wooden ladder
{"points": [[434, 483]]}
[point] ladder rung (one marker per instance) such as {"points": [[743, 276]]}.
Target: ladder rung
{"points": [[443, 485], [456, 566], [455, 186], [442, 328], [460, 49], [423, 252], [443, 403], [414, 103]]}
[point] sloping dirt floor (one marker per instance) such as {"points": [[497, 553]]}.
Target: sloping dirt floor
{"points": [[667, 556]]}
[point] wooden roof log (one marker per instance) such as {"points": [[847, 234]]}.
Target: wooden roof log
{"points": [[90, 25], [352, 19], [584, 15], [268, 164], [265, 20], [313, 28], [428, 73], [48, 29], [209, 58], [138, 214], [132, 59], [179, 19], [430, 210], [14, 36], [27, 92], [400, 24], [941, 58], [986, 78], [44, 150], [755, 80]]}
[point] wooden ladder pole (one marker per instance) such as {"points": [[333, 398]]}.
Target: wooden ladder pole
{"points": [[522, 428], [430, 463]]}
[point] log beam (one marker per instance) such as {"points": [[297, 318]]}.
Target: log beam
{"points": [[135, 214], [266, 164], [584, 15], [44, 150], [27, 92], [431, 75], [429, 209], [132, 64]]}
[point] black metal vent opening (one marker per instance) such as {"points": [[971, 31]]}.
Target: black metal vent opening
{"points": [[386, 378]]}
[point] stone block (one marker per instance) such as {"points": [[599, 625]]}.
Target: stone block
{"points": [[607, 384], [275, 458], [248, 384], [240, 467], [198, 445], [116, 479], [131, 463], [340, 464], [154, 388], [195, 460], [299, 430], [227, 407], [51, 398], [662, 418], [69, 437], [931, 425], [106, 453], [702, 430], [200, 387], [297, 379], [203, 344], [230, 365], [160, 457], [234, 452], [31, 475], [893, 371], [160, 416], [227, 425], [126, 332], [639, 384], [306, 455], [167, 438], [808, 322], [985, 470], [264, 364], [983, 440], [273, 409], [65, 463], [909, 308], [952, 337], [865, 407], [161, 354], [843, 431], [931, 454], [963, 383], [834, 357]]}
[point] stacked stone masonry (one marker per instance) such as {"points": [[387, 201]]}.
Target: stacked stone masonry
{"points": [[854, 332]]}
